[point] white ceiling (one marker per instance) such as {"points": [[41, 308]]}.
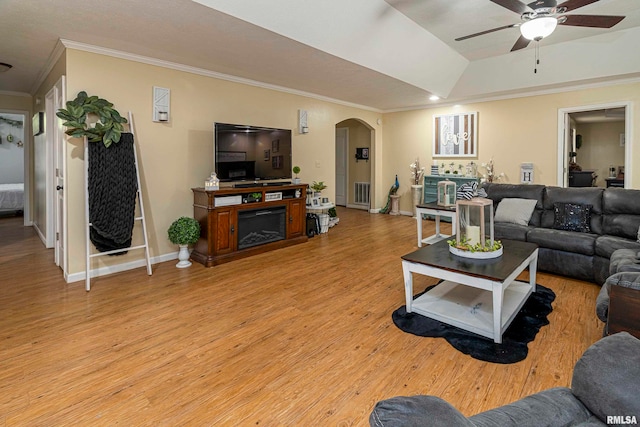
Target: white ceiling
{"points": [[362, 52]]}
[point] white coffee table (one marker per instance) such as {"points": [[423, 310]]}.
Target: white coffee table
{"points": [[480, 296], [437, 211]]}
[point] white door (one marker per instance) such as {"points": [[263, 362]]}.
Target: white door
{"points": [[342, 146], [59, 163]]}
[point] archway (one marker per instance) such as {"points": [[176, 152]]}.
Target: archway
{"points": [[354, 164]]}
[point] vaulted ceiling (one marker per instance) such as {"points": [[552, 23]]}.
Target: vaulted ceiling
{"points": [[379, 54]]}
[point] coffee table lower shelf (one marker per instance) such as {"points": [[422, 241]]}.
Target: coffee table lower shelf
{"points": [[471, 308]]}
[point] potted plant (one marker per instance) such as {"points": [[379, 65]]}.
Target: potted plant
{"points": [[296, 170], [183, 232], [317, 187]]}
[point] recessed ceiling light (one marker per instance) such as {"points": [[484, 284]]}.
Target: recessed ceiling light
{"points": [[5, 67], [434, 98]]}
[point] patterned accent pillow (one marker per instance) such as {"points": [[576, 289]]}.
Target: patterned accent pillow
{"points": [[467, 190], [572, 217]]}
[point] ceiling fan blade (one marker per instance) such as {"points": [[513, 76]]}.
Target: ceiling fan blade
{"points": [[485, 32], [514, 6], [575, 4], [521, 43], [594, 21]]}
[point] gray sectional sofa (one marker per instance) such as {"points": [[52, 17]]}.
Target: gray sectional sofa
{"points": [[614, 220]]}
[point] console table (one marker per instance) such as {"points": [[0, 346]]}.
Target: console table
{"points": [[437, 211], [431, 185], [221, 212]]}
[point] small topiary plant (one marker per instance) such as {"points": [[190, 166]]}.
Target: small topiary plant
{"points": [[184, 231], [296, 170]]}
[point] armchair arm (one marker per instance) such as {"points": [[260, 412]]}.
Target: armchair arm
{"points": [[627, 279], [416, 411]]}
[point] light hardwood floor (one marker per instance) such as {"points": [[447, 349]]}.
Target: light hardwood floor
{"points": [[301, 336]]}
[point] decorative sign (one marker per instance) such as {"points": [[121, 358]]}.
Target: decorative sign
{"points": [[526, 173], [455, 135]]}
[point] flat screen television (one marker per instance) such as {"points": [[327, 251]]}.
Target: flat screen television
{"points": [[251, 154]]}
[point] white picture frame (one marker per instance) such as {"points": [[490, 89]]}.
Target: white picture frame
{"points": [[455, 135]]}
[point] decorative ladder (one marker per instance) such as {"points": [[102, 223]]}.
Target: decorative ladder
{"points": [[140, 218]]}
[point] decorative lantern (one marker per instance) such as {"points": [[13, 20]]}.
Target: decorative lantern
{"points": [[212, 183], [470, 227], [446, 193]]}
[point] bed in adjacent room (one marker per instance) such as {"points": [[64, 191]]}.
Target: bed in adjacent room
{"points": [[11, 198]]}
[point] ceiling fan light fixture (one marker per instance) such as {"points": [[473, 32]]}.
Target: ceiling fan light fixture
{"points": [[538, 28]]}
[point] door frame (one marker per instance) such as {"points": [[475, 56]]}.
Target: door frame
{"points": [[28, 141], [345, 153], [57, 215], [563, 117]]}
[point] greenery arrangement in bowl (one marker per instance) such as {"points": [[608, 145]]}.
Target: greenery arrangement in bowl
{"points": [[465, 246], [184, 231], [318, 186]]}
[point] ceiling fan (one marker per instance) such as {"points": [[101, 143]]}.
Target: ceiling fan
{"points": [[540, 18]]}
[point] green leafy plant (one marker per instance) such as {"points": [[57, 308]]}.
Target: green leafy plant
{"points": [[184, 231], [465, 246], [318, 186], [296, 170], [107, 129]]}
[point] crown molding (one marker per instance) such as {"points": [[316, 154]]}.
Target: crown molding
{"points": [[11, 93], [523, 94], [53, 58], [70, 44]]}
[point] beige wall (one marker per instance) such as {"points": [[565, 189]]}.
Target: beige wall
{"points": [[600, 148], [178, 155], [15, 102], [511, 131]]}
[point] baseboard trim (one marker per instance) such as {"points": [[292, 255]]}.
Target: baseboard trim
{"points": [[104, 271], [362, 207]]}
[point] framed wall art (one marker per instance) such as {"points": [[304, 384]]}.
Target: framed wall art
{"points": [[455, 135]]}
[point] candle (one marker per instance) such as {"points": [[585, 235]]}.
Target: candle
{"points": [[473, 235]]}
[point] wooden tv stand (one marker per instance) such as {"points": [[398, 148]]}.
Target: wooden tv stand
{"points": [[218, 241]]}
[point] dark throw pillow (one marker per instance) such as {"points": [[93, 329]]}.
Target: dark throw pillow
{"points": [[572, 217]]}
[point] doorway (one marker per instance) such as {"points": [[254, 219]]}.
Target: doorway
{"points": [[15, 148], [592, 145], [354, 162]]}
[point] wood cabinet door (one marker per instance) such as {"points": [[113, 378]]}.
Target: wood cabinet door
{"points": [[225, 235], [297, 211]]}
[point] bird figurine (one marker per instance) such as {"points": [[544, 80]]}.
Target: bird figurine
{"points": [[392, 191]]}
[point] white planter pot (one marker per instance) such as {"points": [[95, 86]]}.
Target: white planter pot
{"points": [[183, 257], [416, 194]]}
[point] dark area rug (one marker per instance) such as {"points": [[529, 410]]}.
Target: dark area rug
{"points": [[513, 348]]}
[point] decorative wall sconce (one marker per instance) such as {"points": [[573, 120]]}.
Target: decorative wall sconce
{"points": [[161, 104], [303, 126]]}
